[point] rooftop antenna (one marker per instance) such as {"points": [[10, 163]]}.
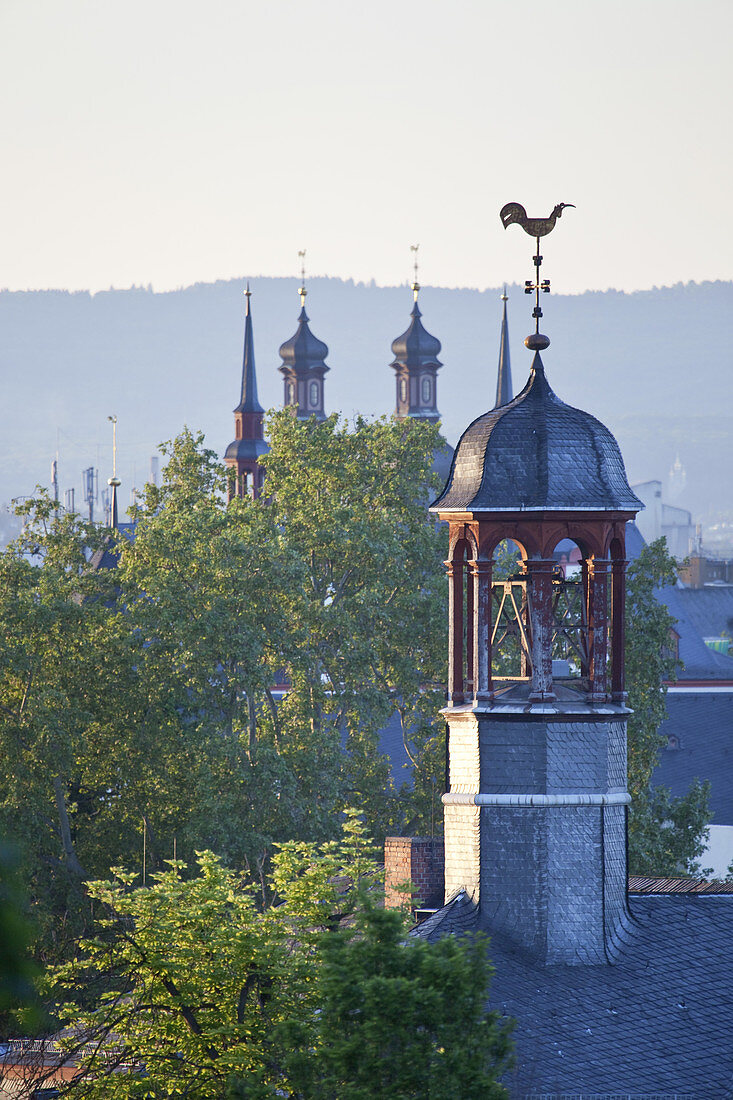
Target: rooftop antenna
{"points": [[114, 482], [55, 474], [535, 227], [89, 480], [415, 284], [302, 292]]}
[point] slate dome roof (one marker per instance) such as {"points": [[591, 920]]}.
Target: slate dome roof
{"points": [[416, 347], [246, 448], [537, 453], [304, 350]]}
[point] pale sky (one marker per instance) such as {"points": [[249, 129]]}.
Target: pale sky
{"points": [[168, 142]]}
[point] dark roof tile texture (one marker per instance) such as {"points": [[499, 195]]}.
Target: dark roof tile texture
{"points": [[416, 347], [656, 1022], [699, 660], [537, 453], [303, 351], [702, 724]]}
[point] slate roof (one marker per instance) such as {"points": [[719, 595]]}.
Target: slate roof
{"points": [[304, 351], [392, 745], [246, 448], [657, 1022], [703, 723], [709, 609], [700, 661], [416, 348], [537, 453]]}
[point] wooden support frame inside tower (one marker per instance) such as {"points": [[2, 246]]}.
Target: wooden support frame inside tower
{"points": [[548, 617]]}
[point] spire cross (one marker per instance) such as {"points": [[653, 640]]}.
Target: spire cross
{"points": [[539, 286], [302, 292], [415, 284], [248, 295]]}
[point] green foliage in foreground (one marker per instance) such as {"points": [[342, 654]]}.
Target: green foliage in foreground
{"points": [[188, 989], [665, 833], [136, 703]]}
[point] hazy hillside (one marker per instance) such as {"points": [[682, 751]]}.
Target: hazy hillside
{"points": [[655, 366]]}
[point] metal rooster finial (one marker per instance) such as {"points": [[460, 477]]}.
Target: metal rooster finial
{"points": [[535, 227]]}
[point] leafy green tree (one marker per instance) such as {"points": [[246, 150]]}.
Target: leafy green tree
{"points": [[59, 654], [137, 718], [664, 833], [189, 989], [405, 1020], [351, 500], [18, 1001]]}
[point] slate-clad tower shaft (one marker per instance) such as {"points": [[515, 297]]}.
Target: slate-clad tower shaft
{"points": [[244, 452], [536, 805]]}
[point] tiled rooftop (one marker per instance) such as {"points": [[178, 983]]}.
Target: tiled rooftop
{"points": [[658, 1021]]}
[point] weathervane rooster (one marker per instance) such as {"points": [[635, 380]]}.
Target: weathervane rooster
{"points": [[535, 227]]}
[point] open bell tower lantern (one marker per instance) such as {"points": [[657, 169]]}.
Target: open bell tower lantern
{"points": [[535, 812]]}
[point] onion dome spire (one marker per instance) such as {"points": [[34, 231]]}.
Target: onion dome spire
{"points": [[416, 365], [243, 453], [303, 364], [504, 391]]}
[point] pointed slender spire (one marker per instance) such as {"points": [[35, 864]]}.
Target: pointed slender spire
{"points": [[504, 392], [249, 401], [244, 452]]}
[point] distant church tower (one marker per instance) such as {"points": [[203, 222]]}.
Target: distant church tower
{"points": [[303, 367], [416, 366], [504, 391], [535, 812], [244, 452]]}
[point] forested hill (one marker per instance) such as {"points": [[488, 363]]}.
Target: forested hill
{"points": [[654, 365]]}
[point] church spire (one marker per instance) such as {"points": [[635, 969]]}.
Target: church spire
{"points": [[303, 363], [248, 402], [504, 393], [243, 453]]}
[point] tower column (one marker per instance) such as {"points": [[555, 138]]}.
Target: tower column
{"points": [[481, 576], [455, 631], [618, 629], [539, 588], [597, 596]]}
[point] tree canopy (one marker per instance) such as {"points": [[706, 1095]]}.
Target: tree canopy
{"points": [[188, 988], [665, 833], [139, 713]]}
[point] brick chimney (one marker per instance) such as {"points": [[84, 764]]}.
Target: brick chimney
{"points": [[416, 859]]}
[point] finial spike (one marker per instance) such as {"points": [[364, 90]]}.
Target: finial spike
{"points": [[415, 284], [302, 291]]}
